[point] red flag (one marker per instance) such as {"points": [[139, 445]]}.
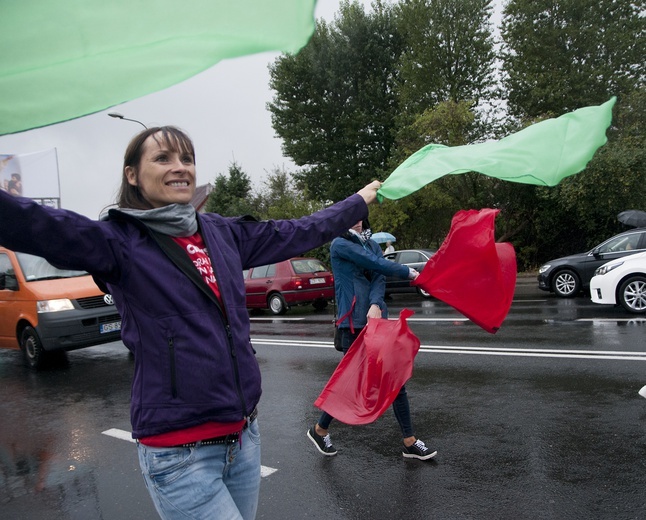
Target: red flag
{"points": [[471, 272], [371, 374]]}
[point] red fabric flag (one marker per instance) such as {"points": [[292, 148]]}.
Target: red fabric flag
{"points": [[371, 374], [471, 272]]}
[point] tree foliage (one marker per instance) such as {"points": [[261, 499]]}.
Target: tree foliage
{"points": [[231, 195], [373, 87], [334, 104], [422, 219], [448, 52], [560, 55], [615, 179], [281, 198]]}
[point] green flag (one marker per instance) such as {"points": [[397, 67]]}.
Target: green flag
{"points": [[62, 59], [543, 154]]}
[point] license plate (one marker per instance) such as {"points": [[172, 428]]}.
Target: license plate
{"points": [[317, 280], [110, 327]]}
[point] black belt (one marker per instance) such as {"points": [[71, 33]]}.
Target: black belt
{"points": [[231, 438]]}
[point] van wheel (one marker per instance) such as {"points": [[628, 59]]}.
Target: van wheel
{"points": [[32, 348], [277, 304]]}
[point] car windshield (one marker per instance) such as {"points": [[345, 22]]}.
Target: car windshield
{"points": [[36, 268], [308, 266]]}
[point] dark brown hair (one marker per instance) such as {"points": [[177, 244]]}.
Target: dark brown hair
{"points": [[175, 139]]}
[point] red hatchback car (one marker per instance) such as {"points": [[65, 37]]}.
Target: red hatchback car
{"points": [[297, 281]]}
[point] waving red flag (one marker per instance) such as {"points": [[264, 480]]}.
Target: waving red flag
{"points": [[471, 272], [370, 375]]}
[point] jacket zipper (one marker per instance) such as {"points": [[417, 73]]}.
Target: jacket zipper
{"points": [[234, 356], [173, 370], [236, 370]]}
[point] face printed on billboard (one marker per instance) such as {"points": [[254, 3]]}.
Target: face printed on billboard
{"points": [[10, 176], [33, 175]]}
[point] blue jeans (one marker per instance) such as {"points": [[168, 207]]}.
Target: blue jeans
{"points": [[401, 406], [217, 481]]}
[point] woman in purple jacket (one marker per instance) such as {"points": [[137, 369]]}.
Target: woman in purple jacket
{"points": [[196, 380]]}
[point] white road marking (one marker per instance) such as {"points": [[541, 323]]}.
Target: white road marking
{"points": [[123, 435], [612, 320], [551, 353], [276, 318], [119, 434], [487, 351], [457, 318]]}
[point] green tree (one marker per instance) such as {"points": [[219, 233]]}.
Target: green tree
{"points": [[615, 179], [334, 103], [231, 195], [446, 70], [281, 198], [448, 53], [423, 218], [560, 55]]}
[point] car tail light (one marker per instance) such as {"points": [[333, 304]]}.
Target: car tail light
{"points": [[298, 282]]}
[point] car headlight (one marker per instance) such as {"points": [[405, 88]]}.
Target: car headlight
{"points": [[544, 268], [604, 269], [54, 305]]}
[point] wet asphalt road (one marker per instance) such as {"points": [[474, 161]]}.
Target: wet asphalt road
{"points": [[539, 421]]}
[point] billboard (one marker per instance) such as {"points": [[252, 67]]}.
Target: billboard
{"points": [[33, 175]]}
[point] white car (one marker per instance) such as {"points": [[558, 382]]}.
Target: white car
{"points": [[621, 282]]}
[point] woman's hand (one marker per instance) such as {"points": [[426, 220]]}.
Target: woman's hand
{"points": [[374, 311], [369, 192]]}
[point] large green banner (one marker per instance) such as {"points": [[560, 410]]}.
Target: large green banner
{"points": [[62, 59]]}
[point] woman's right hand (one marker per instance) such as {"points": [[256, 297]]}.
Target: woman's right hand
{"points": [[369, 192]]}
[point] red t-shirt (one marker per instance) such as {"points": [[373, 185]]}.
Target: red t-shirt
{"points": [[196, 250]]}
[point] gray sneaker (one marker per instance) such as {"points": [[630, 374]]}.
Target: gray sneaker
{"points": [[418, 451], [323, 444]]}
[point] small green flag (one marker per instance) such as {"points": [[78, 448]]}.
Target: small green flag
{"points": [[543, 154], [62, 59]]}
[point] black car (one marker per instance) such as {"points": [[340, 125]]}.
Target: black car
{"points": [[415, 258], [569, 275]]}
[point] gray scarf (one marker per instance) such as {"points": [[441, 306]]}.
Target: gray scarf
{"points": [[176, 220]]}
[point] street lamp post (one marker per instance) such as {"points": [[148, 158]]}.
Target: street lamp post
{"points": [[121, 116]]}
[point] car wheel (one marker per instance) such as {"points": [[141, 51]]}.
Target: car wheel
{"points": [[632, 294], [319, 305], [32, 348], [423, 293], [566, 284], [277, 304]]}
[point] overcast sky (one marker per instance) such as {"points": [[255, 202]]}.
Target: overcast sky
{"points": [[223, 110]]}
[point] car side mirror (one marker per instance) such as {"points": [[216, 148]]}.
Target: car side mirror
{"points": [[8, 282], [596, 253]]}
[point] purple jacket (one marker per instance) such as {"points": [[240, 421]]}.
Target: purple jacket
{"points": [[191, 365]]}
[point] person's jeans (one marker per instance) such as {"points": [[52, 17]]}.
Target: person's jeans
{"points": [[401, 406], [217, 481]]}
